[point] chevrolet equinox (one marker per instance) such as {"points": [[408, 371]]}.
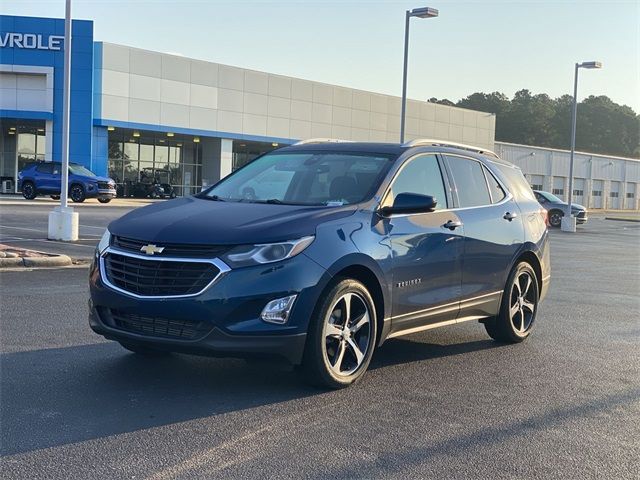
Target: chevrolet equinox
{"points": [[320, 251]]}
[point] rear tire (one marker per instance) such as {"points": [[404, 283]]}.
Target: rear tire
{"points": [[104, 200], [341, 336], [143, 350], [519, 307], [29, 190]]}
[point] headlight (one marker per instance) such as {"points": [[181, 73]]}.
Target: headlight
{"points": [[104, 242], [246, 255]]}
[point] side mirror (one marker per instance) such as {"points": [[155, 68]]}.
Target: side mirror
{"points": [[410, 203]]}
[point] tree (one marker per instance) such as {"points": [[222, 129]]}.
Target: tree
{"points": [[603, 126]]}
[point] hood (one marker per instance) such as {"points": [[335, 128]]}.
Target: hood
{"points": [[575, 206], [97, 178], [193, 220]]}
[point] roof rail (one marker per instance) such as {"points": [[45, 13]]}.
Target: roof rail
{"points": [[321, 140], [418, 142]]}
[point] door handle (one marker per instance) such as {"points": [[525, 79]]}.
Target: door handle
{"points": [[452, 224], [510, 216]]}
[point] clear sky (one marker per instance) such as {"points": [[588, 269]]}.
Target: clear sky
{"points": [[487, 45]]}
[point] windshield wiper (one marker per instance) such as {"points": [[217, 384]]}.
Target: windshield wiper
{"points": [[214, 198]]}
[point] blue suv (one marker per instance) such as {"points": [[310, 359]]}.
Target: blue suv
{"points": [[321, 251], [45, 178]]}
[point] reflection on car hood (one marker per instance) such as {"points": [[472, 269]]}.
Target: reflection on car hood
{"points": [[193, 220]]}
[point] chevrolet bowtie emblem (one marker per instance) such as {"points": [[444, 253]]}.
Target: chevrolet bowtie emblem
{"points": [[151, 249]]}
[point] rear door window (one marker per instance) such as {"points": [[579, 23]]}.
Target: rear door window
{"points": [[496, 190], [470, 182], [46, 168]]}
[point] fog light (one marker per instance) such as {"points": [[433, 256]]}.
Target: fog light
{"points": [[277, 311]]}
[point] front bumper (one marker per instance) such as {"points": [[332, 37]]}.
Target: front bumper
{"points": [[227, 312], [106, 193], [215, 343]]}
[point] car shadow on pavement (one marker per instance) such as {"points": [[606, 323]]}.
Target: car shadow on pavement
{"points": [[59, 396]]}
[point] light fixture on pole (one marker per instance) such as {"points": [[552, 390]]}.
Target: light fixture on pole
{"points": [[63, 221], [423, 12], [569, 221]]}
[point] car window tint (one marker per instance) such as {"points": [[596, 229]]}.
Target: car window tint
{"points": [[45, 168], [470, 182], [497, 193], [421, 175], [515, 181], [57, 169]]}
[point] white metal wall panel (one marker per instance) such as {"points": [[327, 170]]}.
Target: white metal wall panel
{"points": [[630, 197], [558, 187], [614, 196], [578, 191], [140, 86], [597, 194]]}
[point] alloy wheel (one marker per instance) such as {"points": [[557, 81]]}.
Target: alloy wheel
{"points": [[522, 306], [347, 333], [27, 190], [555, 219], [76, 193]]}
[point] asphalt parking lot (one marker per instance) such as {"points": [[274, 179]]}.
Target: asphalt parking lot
{"points": [[24, 223], [447, 403]]}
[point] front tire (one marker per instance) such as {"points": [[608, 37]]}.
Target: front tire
{"points": [[555, 218], [104, 200], [55, 197], [342, 336], [77, 193], [519, 307], [29, 190]]}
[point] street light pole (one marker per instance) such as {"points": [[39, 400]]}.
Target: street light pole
{"points": [[404, 75], [568, 221], [424, 12], [65, 106], [63, 221], [573, 139]]}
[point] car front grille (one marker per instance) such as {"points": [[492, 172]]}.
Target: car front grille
{"points": [[170, 249], [105, 186], [157, 278], [153, 326], [581, 214]]}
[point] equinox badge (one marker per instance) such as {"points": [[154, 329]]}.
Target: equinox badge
{"points": [[151, 249]]}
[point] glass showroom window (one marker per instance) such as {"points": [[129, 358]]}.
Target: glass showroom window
{"points": [[147, 156]]}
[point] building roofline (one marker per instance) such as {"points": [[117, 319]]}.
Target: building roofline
{"points": [[551, 149]]}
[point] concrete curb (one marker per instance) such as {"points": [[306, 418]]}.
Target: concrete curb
{"points": [[36, 262]]}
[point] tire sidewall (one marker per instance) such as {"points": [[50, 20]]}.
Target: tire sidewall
{"points": [[551, 214], [315, 358], [29, 186], [504, 317], [80, 198]]}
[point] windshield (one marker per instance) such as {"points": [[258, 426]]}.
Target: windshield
{"points": [[80, 170], [551, 197], [314, 178]]}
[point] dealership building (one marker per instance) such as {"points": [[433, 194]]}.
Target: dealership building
{"points": [[137, 113]]}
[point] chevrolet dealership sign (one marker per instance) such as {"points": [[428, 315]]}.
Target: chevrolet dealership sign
{"points": [[31, 41]]}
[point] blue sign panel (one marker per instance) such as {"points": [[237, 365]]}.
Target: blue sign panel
{"points": [[39, 42]]}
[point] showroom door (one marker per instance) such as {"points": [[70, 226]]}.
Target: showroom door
{"points": [[630, 200], [596, 194], [614, 196]]}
